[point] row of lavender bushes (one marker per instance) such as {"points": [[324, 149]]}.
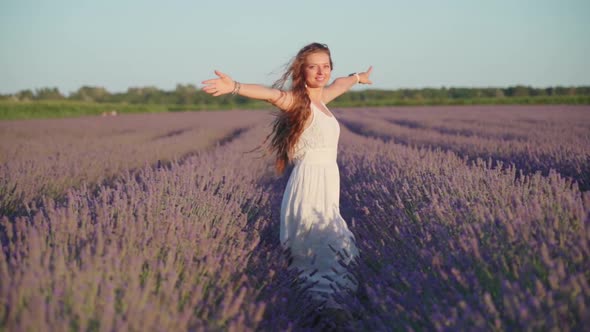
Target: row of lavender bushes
{"points": [[47, 157], [449, 245], [533, 138], [168, 248], [192, 245]]}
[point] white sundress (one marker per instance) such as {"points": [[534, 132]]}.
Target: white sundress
{"points": [[311, 224]]}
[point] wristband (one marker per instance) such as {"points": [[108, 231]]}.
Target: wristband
{"points": [[237, 86], [358, 78]]}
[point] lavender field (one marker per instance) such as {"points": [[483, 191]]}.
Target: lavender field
{"points": [[467, 218]]}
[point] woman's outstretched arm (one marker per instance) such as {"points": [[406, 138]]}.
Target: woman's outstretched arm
{"points": [[343, 84], [225, 84]]}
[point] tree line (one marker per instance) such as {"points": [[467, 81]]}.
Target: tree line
{"points": [[189, 94]]}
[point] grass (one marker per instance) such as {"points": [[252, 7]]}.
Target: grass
{"points": [[11, 110], [16, 110]]}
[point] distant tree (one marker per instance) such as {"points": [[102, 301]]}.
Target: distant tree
{"points": [[560, 91], [48, 94], [550, 91], [189, 94], [185, 94], [25, 95], [143, 95], [431, 93], [571, 91], [537, 92], [461, 93], [489, 92], [90, 93], [517, 91]]}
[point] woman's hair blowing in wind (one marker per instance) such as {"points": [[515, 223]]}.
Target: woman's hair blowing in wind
{"points": [[289, 124]]}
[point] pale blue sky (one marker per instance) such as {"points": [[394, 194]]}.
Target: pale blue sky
{"points": [[125, 43]]}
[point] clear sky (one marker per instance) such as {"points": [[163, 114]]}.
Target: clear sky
{"points": [[118, 44]]}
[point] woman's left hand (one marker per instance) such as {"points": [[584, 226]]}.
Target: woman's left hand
{"points": [[364, 76]]}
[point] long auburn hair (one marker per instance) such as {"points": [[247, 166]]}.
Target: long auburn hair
{"points": [[289, 123]]}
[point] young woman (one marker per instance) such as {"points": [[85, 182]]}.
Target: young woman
{"points": [[306, 134]]}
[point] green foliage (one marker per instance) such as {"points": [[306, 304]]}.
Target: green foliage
{"points": [[191, 95], [50, 103], [89, 93], [11, 110], [48, 94]]}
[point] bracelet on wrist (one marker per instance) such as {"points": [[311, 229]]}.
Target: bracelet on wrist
{"points": [[358, 78], [236, 89]]}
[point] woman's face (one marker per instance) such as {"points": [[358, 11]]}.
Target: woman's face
{"points": [[317, 70]]}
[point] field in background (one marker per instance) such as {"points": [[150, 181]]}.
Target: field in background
{"points": [[467, 217], [22, 110], [47, 109]]}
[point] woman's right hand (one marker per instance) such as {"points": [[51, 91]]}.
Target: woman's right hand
{"points": [[219, 86]]}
